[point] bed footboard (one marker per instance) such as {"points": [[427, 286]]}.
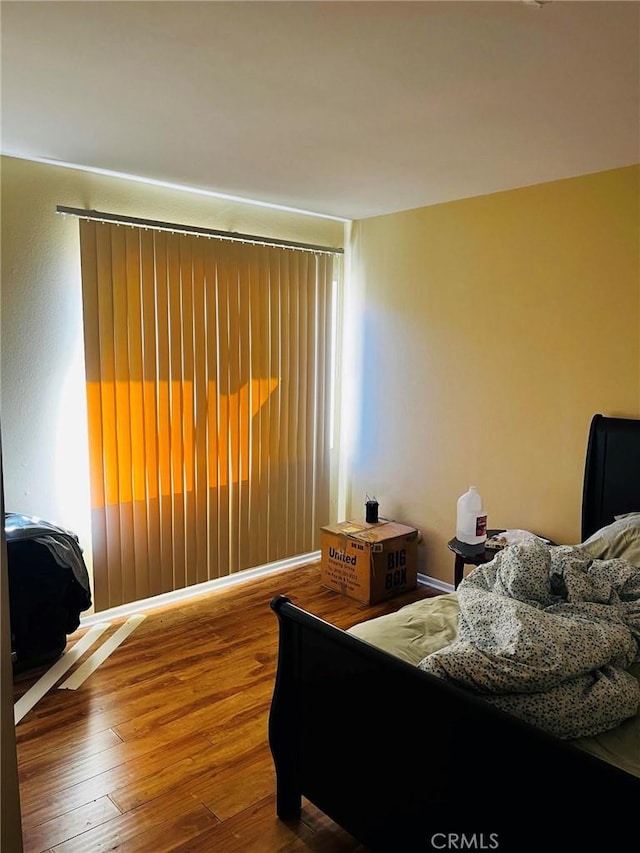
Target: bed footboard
{"points": [[404, 761]]}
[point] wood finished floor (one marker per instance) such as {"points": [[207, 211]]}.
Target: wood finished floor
{"points": [[164, 747]]}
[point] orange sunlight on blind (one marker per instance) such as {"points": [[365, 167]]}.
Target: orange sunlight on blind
{"points": [[208, 387]]}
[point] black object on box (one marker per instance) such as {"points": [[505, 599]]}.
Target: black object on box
{"points": [[48, 588], [371, 511]]}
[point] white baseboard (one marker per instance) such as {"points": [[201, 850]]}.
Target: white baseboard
{"points": [[220, 583], [442, 586], [199, 589]]}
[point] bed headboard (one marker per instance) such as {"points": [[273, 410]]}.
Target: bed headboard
{"points": [[612, 472]]}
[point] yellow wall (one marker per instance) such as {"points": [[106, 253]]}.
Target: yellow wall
{"points": [[482, 337], [488, 332], [42, 396]]}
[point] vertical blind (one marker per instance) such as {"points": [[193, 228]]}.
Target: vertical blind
{"points": [[208, 366]]}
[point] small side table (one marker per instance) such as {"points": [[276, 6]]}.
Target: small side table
{"points": [[470, 555]]}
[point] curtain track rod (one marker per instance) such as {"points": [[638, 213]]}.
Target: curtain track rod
{"points": [[193, 229]]}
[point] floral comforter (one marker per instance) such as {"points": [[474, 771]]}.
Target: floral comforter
{"points": [[547, 633]]}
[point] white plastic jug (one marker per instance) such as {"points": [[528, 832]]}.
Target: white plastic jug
{"points": [[471, 524]]}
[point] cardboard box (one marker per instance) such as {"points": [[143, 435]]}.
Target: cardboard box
{"points": [[369, 562]]}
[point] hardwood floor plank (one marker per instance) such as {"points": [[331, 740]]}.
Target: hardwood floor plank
{"points": [[61, 710], [137, 660], [172, 817], [60, 828], [194, 707], [82, 748], [257, 830], [72, 772], [60, 800], [222, 749], [165, 746], [326, 832], [142, 791], [238, 785]]}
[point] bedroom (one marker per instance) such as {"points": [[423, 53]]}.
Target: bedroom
{"points": [[504, 320]]}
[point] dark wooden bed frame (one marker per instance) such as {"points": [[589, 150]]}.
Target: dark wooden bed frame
{"points": [[404, 761]]}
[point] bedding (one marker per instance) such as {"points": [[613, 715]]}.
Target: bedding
{"points": [[548, 634], [555, 632], [415, 630]]}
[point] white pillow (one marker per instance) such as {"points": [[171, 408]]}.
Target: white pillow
{"points": [[618, 540]]}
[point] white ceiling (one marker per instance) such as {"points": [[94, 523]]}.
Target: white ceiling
{"points": [[349, 109]]}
